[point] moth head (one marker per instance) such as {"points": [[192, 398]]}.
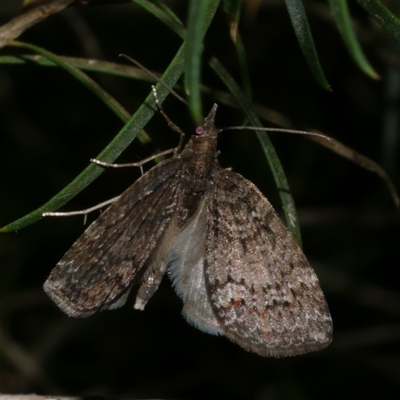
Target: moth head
{"points": [[208, 128]]}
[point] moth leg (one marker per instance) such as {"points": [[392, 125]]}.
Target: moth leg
{"points": [[107, 202], [149, 286], [171, 124], [135, 164], [84, 212], [156, 266]]}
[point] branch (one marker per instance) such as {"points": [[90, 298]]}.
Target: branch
{"points": [[30, 17], [35, 397]]}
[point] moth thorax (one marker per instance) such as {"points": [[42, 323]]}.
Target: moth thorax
{"points": [[203, 145]]}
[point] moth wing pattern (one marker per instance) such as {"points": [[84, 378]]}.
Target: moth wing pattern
{"points": [[261, 287], [97, 272]]}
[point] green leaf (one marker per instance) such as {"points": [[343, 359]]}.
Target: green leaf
{"points": [[165, 15], [201, 14], [168, 11], [128, 132], [84, 64], [233, 9], [244, 67], [111, 152], [269, 151], [67, 64], [340, 12], [382, 15], [302, 29], [80, 76]]}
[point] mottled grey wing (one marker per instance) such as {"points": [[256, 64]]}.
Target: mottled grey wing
{"points": [[261, 287], [97, 272]]}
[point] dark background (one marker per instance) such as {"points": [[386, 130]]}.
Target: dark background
{"points": [[50, 126]]}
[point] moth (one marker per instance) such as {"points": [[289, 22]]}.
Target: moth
{"points": [[230, 258]]}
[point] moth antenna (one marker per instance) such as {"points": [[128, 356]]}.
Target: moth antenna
{"points": [[171, 124], [294, 131], [155, 77]]}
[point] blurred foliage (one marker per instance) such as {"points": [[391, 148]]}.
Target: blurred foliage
{"points": [[51, 125]]}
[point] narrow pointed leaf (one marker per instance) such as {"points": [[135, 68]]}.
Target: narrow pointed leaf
{"points": [[269, 151], [81, 77], [233, 8], [165, 15], [244, 67], [302, 29], [201, 14], [340, 12], [111, 152], [383, 16]]}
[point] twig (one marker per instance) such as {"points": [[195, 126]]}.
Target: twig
{"points": [[35, 397], [30, 17]]}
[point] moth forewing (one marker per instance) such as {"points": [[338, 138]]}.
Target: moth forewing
{"points": [[98, 270], [262, 288]]}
